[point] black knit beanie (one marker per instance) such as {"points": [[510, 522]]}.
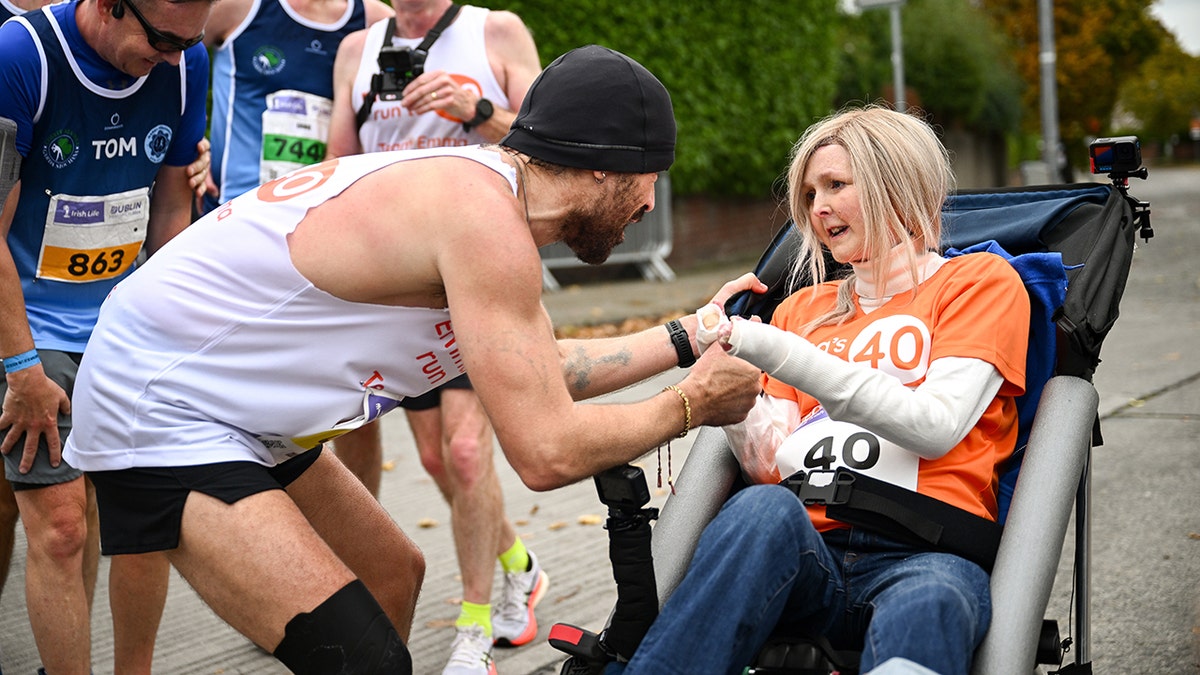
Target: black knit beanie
{"points": [[597, 109]]}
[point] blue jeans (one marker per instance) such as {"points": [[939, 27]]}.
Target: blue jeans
{"points": [[760, 564]]}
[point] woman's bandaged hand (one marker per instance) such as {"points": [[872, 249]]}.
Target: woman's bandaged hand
{"points": [[711, 322]]}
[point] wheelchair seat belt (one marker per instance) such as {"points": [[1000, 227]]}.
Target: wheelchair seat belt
{"points": [[901, 514]]}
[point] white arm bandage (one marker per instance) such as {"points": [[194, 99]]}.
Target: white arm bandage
{"points": [[928, 420]]}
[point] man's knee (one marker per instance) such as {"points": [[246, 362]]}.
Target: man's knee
{"points": [[349, 633], [54, 525], [468, 460]]}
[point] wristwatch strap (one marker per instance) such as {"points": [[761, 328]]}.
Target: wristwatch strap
{"points": [[682, 343]]}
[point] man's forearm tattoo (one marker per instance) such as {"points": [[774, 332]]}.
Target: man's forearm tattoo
{"points": [[578, 366]]}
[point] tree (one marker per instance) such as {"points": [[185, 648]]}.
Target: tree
{"points": [[954, 62], [1099, 45], [1165, 96], [745, 79]]}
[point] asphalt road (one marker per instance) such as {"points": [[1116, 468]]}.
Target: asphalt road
{"points": [[1145, 522]]}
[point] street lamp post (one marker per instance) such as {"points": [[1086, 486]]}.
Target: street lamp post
{"points": [[897, 45], [1048, 60]]}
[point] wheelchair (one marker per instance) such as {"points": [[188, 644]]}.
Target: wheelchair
{"points": [[1094, 227]]}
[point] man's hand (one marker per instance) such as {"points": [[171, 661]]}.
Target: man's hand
{"points": [[31, 407], [436, 90], [711, 319], [199, 178], [722, 389]]}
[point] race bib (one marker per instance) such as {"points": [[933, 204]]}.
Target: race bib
{"points": [[295, 128], [822, 444], [375, 404], [94, 237]]}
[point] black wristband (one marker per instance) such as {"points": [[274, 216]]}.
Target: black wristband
{"points": [[683, 344]]}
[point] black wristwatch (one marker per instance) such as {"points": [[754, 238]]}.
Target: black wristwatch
{"points": [[682, 343], [483, 113]]}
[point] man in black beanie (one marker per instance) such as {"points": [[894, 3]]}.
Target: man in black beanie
{"points": [[596, 109], [312, 305]]}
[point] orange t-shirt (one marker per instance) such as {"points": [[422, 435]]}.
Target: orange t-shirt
{"points": [[973, 307]]}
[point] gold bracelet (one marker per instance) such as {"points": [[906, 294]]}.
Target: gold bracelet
{"points": [[687, 410]]}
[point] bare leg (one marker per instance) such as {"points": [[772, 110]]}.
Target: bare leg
{"points": [[55, 526], [468, 479], [363, 536], [426, 428], [361, 451], [91, 546], [8, 527], [257, 563], [137, 593]]}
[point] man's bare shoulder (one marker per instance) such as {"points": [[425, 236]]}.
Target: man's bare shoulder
{"points": [[438, 193], [505, 25], [377, 11], [352, 45], [225, 17]]}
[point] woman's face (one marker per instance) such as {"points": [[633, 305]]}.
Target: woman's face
{"points": [[833, 205]]}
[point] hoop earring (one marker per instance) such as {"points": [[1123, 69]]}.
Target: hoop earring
{"points": [[602, 178]]}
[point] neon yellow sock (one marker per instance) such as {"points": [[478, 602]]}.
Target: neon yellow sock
{"points": [[473, 614], [516, 558]]}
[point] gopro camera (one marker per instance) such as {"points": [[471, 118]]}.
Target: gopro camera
{"points": [[1118, 155], [622, 487], [397, 67]]}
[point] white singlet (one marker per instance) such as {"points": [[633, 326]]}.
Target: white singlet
{"points": [[219, 350], [460, 51]]}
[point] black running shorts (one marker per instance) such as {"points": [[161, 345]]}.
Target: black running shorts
{"points": [[141, 509]]}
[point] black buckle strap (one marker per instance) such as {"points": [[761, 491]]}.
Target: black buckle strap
{"points": [[821, 487], [903, 515]]}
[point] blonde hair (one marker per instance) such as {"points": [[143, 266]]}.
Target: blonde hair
{"points": [[902, 173]]}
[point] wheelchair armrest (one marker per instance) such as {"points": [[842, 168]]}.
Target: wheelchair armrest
{"points": [[703, 485], [1059, 444]]}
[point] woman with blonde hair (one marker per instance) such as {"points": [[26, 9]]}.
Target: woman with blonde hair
{"points": [[904, 371]]}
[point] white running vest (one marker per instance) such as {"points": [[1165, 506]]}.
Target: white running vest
{"points": [[219, 350]]}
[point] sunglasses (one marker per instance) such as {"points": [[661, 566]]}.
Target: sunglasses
{"points": [[163, 42]]}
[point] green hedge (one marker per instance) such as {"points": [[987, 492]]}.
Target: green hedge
{"points": [[746, 78]]}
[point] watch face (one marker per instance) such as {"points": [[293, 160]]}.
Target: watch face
{"points": [[483, 108]]}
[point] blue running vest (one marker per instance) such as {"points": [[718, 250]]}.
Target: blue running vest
{"points": [[271, 50], [92, 142]]}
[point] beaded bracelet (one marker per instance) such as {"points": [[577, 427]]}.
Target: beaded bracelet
{"points": [[21, 361]]}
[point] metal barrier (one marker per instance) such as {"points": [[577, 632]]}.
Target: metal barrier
{"points": [[647, 244]]}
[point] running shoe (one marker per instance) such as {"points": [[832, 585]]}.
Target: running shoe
{"points": [[470, 653], [513, 622]]}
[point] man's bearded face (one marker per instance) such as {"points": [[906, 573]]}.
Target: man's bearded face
{"points": [[594, 230]]}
